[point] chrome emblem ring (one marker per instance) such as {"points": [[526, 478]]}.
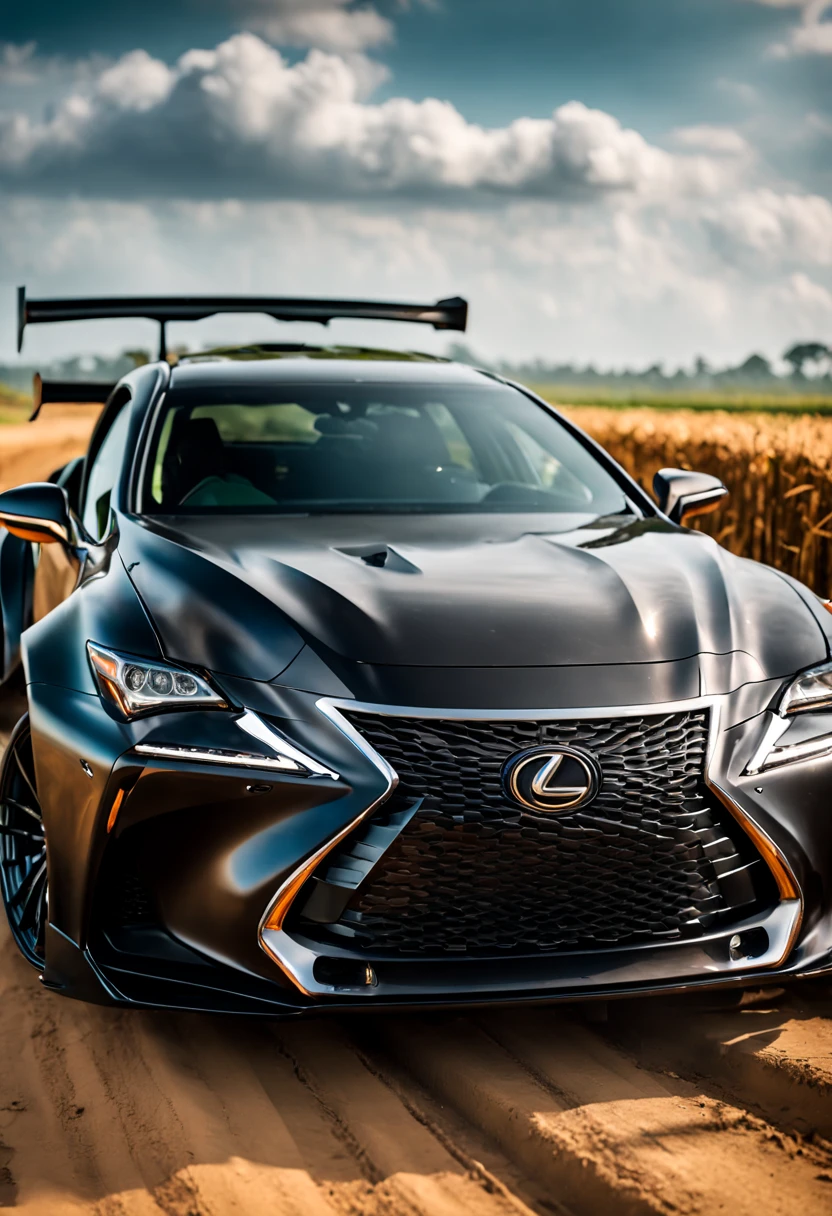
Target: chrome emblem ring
{"points": [[552, 780]]}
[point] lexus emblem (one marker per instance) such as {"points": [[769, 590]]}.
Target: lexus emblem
{"points": [[551, 779]]}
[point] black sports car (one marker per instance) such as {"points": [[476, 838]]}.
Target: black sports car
{"points": [[361, 679]]}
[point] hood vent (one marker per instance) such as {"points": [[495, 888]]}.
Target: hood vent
{"points": [[380, 557]]}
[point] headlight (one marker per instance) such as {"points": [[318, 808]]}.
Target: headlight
{"points": [[811, 689], [140, 686]]}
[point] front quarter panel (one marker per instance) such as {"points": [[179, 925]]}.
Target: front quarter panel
{"points": [[207, 614], [71, 725]]}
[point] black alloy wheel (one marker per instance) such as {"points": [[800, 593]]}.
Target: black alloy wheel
{"points": [[23, 879]]}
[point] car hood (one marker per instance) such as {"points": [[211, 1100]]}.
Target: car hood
{"points": [[244, 595]]}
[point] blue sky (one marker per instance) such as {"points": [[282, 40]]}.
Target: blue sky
{"points": [[614, 180]]}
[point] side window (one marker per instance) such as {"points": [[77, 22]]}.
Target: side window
{"points": [[103, 473]]}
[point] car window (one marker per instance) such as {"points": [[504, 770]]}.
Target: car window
{"points": [[103, 473], [357, 447]]}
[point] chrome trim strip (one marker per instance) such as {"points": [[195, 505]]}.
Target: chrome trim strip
{"points": [[239, 759], [254, 725], [775, 727], [791, 893], [693, 963], [655, 709], [276, 943], [809, 749], [768, 756]]}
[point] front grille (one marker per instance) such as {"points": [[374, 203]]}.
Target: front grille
{"points": [[653, 859]]}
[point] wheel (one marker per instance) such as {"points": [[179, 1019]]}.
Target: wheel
{"points": [[23, 880]]}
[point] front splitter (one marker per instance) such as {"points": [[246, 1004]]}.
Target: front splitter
{"points": [[711, 957]]}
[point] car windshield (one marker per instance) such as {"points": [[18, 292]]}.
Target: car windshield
{"points": [[327, 448]]}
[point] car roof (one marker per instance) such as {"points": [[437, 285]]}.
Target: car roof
{"points": [[372, 367]]}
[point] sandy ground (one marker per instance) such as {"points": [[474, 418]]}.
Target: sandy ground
{"points": [[30, 451], [638, 1107], [646, 1107]]}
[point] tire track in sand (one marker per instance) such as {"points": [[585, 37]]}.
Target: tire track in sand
{"points": [[152, 1113], [607, 1134], [773, 1054]]}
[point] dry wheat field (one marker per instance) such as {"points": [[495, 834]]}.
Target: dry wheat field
{"points": [[777, 467]]}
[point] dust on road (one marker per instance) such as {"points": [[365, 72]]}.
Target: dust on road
{"points": [[641, 1107], [666, 1107]]}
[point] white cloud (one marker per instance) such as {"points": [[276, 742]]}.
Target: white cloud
{"points": [[738, 89], [333, 25], [812, 37], [806, 303], [803, 292], [16, 66], [241, 120], [135, 82], [782, 3], [718, 141], [615, 284], [775, 229]]}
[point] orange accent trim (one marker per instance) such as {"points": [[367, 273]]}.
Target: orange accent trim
{"points": [[281, 906], [704, 509], [774, 859], [39, 538], [114, 810], [286, 896], [115, 693], [30, 527]]}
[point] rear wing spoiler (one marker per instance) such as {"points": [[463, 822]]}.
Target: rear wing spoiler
{"points": [[444, 314], [67, 392]]}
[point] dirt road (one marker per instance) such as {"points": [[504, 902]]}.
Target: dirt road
{"points": [[662, 1108], [30, 451]]}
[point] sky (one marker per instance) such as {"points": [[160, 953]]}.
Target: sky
{"points": [[610, 181]]}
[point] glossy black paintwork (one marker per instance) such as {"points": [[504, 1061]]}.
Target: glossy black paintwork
{"points": [[503, 591], [491, 612]]}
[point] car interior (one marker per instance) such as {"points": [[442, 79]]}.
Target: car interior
{"points": [[339, 454]]}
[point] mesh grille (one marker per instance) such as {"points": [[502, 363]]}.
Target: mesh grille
{"points": [[653, 858]]}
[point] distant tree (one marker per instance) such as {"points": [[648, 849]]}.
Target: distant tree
{"points": [[460, 353], [701, 367], [139, 358], [756, 368], [805, 352]]}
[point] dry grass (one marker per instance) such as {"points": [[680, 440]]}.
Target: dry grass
{"points": [[778, 469]]}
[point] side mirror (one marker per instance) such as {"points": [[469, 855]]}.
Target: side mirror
{"points": [[38, 512], [682, 494]]}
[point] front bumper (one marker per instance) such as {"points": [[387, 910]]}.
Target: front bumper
{"points": [[225, 853]]}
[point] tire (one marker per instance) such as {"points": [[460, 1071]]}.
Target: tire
{"points": [[23, 868]]}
